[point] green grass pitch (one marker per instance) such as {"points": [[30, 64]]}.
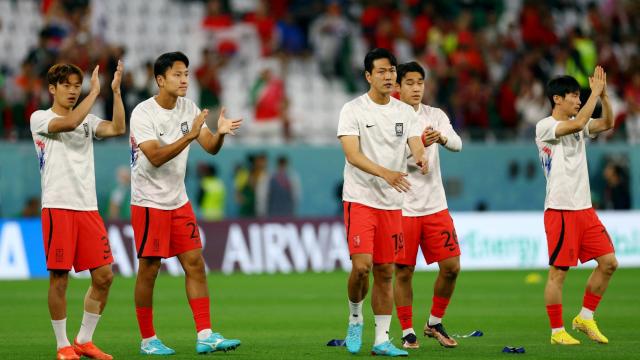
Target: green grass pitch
{"points": [[293, 317]]}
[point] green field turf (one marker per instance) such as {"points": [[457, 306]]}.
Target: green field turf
{"points": [[293, 317]]}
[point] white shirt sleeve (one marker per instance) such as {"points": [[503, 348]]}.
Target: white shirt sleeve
{"points": [[141, 127], [586, 130], [546, 130], [347, 124], [40, 120], [94, 122], [454, 142], [415, 128]]}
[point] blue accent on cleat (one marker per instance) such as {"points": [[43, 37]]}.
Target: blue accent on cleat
{"points": [[216, 342], [354, 338], [156, 347], [387, 349]]}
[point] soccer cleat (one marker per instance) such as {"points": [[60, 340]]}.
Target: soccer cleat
{"points": [[90, 350], [216, 342], [590, 328], [387, 349], [563, 338], [67, 353], [353, 341], [156, 347], [438, 332], [410, 341]]}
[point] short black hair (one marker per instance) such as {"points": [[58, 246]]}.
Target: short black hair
{"points": [[408, 67], [561, 86], [165, 62], [60, 73], [375, 54]]}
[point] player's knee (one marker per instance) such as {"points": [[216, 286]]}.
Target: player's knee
{"points": [[194, 265], [404, 274], [104, 280], [361, 270], [610, 267], [451, 272], [59, 284]]}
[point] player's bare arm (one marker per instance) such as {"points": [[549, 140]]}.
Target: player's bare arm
{"points": [[116, 126], [351, 148], [597, 84], [607, 121], [76, 117], [158, 155], [417, 150], [212, 143]]}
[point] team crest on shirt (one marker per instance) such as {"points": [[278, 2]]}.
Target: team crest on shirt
{"points": [[184, 127], [86, 129], [399, 129]]}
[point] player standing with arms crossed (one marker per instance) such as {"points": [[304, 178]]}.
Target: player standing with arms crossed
{"points": [[73, 232], [425, 218], [374, 130], [164, 225], [572, 226]]}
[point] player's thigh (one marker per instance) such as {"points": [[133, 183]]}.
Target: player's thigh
{"points": [[360, 227], [185, 235], [151, 230], [389, 237], [92, 248], [59, 237], [412, 235], [440, 240], [563, 237], [596, 241]]}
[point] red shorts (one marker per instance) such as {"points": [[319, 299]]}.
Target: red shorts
{"points": [[164, 233], [75, 239], [573, 235], [434, 233], [373, 231]]}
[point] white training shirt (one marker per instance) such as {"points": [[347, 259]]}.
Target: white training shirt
{"points": [[383, 131], [564, 162], [67, 173], [160, 187], [426, 195]]}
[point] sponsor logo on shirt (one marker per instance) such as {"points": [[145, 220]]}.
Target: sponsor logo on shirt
{"points": [[184, 128], [86, 129], [576, 136], [399, 129]]}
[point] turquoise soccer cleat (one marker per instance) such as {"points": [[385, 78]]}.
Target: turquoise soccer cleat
{"points": [[216, 342], [387, 349], [354, 338], [156, 347]]}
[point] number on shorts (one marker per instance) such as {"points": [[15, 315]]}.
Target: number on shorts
{"points": [[398, 241], [193, 230], [451, 242]]}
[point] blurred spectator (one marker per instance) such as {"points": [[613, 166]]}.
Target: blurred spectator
{"points": [[244, 192], [269, 100], [212, 193], [259, 180], [632, 98], [616, 194], [265, 26], [284, 191], [31, 208], [120, 197], [207, 76]]}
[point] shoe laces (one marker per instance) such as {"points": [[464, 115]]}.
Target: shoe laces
{"points": [[440, 328]]}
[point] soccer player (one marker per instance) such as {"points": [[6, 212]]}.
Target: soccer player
{"points": [[73, 232], [572, 226], [425, 218], [164, 225], [374, 130]]}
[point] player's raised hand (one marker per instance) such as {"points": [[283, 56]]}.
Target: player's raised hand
{"points": [[597, 81], [227, 126], [197, 124], [117, 77], [95, 80], [604, 89], [397, 180]]}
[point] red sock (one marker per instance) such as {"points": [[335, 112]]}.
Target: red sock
{"points": [[405, 314], [145, 321], [591, 300], [555, 315], [439, 306], [201, 315]]}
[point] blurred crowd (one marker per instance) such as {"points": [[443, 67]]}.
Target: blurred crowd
{"points": [[487, 60]]}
